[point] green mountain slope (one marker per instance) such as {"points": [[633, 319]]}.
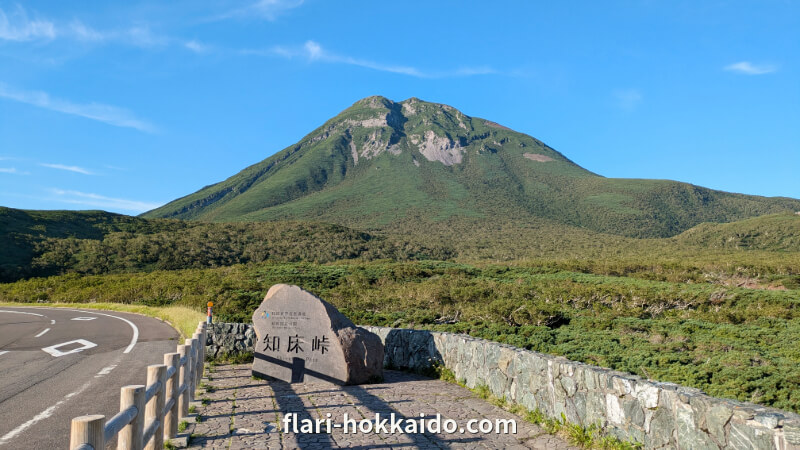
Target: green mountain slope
{"points": [[381, 163], [43, 243], [775, 232]]}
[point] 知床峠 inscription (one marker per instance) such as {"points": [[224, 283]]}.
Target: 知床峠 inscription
{"points": [[300, 337]]}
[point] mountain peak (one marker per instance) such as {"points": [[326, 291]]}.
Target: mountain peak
{"points": [[382, 162], [437, 132], [374, 101]]}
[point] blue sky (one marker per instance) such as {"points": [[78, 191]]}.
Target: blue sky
{"points": [[125, 106]]}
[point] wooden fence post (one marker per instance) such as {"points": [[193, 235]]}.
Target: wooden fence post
{"points": [[190, 366], [88, 430], [130, 437], [155, 408], [198, 366], [183, 399], [204, 328], [171, 416]]}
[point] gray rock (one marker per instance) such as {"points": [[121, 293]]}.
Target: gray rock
{"points": [[791, 432], [716, 419], [301, 336], [744, 436], [569, 385], [633, 412], [662, 426], [595, 409], [769, 420], [689, 434]]}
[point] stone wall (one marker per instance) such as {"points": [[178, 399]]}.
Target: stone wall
{"points": [[659, 415], [229, 339]]}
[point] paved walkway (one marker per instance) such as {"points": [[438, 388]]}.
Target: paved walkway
{"points": [[244, 413]]}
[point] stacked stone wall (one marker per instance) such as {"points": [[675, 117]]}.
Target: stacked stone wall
{"points": [[659, 415], [229, 340]]}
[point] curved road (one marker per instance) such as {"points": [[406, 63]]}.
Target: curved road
{"points": [[58, 363]]}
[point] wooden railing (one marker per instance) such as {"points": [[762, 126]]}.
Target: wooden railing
{"points": [[148, 414]]}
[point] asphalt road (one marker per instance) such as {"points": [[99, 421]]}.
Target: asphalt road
{"points": [[56, 364]]}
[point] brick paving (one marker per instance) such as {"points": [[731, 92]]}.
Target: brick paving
{"points": [[244, 413]]}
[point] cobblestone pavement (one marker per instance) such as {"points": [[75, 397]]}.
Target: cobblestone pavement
{"points": [[244, 413]]}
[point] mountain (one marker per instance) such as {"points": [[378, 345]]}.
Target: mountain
{"points": [[385, 164]]}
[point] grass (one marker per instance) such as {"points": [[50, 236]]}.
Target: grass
{"points": [[182, 426], [183, 319], [235, 358]]}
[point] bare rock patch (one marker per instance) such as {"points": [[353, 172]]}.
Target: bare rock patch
{"points": [[537, 157]]}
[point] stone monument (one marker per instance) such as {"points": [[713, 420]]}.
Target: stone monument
{"points": [[300, 337]]}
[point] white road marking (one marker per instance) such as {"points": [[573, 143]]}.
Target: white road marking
{"points": [[135, 329], [43, 332], [105, 371], [53, 349], [52, 322], [3, 352], [20, 312], [83, 318], [41, 416], [134, 339]]}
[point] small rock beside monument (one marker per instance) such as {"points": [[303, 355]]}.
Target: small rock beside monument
{"points": [[302, 338]]}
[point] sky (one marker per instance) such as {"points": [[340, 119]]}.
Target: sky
{"points": [[124, 106]]}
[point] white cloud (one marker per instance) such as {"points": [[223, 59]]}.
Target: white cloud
{"points": [[100, 201], [111, 115], [75, 169], [12, 170], [141, 36], [264, 9], [628, 99], [18, 27], [314, 52], [84, 33], [748, 68], [195, 46], [270, 9]]}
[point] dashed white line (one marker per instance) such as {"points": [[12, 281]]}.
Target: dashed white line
{"points": [[43, 332], [105, 371], [41, 416], [52, 321], [21, 312], [3, 352]]}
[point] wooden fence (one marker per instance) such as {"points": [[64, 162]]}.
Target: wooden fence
{"points": [[148, 414]]}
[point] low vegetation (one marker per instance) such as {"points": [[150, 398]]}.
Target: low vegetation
{"points": [[681, 327], [45, 243], [715, 307]]}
